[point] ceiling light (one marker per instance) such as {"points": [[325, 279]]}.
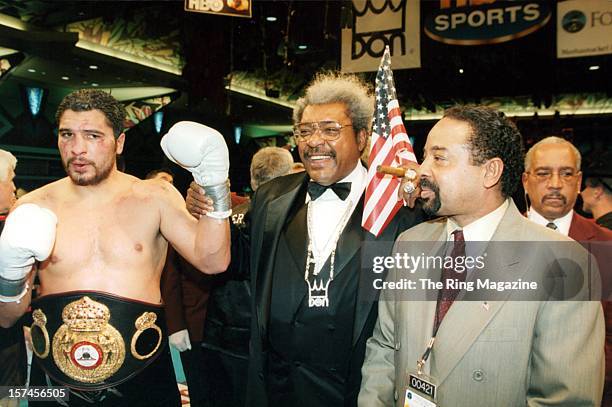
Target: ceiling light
{"points": [[271, 18], [302, 46], [31, 70], [249, 106], [460, 70], [94, 84], [593, 67], [65, 78], [93, 67]]}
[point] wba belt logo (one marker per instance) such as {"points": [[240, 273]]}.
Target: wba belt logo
{"points": [[86, 347], [476, 22]]}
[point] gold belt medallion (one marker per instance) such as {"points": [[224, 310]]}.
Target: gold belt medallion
{"points": [[39, 333], [144, 322], [86, 347]]}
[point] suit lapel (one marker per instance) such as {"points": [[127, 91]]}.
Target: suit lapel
{"points": [[578, 231], [364, 306], [466, 319], [275, 217], [350, 239], [296, 237]]}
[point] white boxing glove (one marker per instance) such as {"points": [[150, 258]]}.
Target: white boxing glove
{"points": [[202, 151], [180, 340], [28, 235], [199, 149]]}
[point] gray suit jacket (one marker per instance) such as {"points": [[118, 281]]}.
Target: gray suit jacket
{"points": [[502, 353]]}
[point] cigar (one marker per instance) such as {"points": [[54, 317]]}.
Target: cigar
{"points": [[395, 171]]}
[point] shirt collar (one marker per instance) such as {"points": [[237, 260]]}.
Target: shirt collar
{"points": [[563, 223], [482, 229]]}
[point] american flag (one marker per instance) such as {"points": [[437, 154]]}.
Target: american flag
{"points": [[389, 146]]}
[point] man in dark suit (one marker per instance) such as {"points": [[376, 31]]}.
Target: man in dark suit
{"points": [[310, 324], [552, 181]]}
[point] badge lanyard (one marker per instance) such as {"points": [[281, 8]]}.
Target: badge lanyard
{"points": [[430, 343], [421, 390]]}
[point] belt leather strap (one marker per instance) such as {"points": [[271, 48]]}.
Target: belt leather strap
{"points": [[89, 340]]}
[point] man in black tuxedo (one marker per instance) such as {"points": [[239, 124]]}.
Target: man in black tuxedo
{"points": [[310, 323]]}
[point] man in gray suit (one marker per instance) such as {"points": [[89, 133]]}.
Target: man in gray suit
{"points": [[474, 351]]}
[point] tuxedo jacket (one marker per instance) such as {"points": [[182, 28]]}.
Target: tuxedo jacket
{"points": [[271, 206], [499, 353]]}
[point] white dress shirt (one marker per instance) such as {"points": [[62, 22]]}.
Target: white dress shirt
{"points": [[481, 230], [328, 211], [563, 223]]}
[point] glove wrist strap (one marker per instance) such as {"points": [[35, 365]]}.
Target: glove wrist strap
{"points": [[13, 290], [222, 204]]}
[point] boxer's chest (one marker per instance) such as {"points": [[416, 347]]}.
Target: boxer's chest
{"points": [[115, 233]]}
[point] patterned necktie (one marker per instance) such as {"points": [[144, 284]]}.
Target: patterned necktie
{"points": [[341, 189], [446, 295], [551, 225]]}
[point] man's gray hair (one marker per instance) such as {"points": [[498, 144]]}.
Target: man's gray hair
{"points": [[336, 87], [269, 163], [547, 141], [7, 161]]}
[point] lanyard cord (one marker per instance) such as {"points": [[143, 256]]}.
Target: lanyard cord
{"points": [[421, 362]]}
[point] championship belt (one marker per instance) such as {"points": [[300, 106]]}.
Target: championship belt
{"points": [[91, 341]]}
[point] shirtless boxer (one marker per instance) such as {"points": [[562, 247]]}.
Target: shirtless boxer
{"points": [[100, 239]]}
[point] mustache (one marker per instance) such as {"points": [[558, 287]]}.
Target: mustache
{"points": [[309, 152], [426, 183], [555, 195], [78, 161]]}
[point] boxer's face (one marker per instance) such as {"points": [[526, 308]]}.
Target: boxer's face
{"points": [[450, 183], [553, 181], [87, 146], [327, 161], [7, 192]]}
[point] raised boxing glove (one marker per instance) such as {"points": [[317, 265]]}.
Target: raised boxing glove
{"points": [[202, 151], [28, 235], [199, 149]]}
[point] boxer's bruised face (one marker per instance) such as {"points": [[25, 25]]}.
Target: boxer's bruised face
{"points": [[450, 183], [327, 162], [88, 146]]}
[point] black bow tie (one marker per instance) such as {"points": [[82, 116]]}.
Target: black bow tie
{"points": [[341, 189]]}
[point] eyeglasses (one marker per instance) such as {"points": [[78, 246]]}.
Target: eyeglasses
{"points": [[330, 130], [566, 175]]}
